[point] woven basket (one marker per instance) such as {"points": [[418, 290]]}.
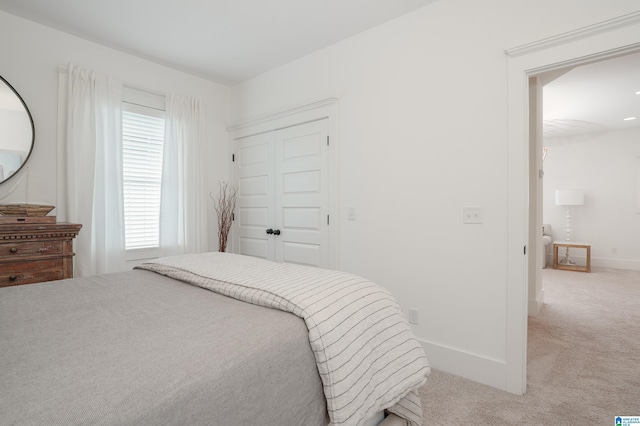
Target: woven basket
{"points": [[25, 209]]}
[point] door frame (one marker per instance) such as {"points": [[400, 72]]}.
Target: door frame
{"points": [[314, 111], [602, 40]]}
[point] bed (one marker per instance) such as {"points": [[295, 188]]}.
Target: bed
{"points": [[196, 340]]}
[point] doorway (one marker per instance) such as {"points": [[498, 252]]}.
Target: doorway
{"points": [[286, 168], [585, 133], [603, 40]]}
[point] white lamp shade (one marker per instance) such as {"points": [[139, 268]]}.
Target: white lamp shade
{"points": [[569, 197]]}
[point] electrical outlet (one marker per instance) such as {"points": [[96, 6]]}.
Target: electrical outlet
{"points": [[413, 316], [472, 215]]}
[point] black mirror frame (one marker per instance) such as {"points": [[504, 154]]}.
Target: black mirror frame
{"points": [[33, 129]]}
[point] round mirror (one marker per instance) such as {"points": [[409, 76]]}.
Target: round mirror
{"points": [[16, 131]]}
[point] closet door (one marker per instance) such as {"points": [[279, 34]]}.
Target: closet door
{"points": [[253, 176], [302, 194], [283, 195]]}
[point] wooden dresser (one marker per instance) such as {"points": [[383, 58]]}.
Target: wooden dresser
{"points": [[32, 253]]}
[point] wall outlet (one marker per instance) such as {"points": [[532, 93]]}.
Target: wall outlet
{"points": [[413, 316], [472, 214]]}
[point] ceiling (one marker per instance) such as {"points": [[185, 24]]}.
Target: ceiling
{"points": [[593, 98], [227, 41]]}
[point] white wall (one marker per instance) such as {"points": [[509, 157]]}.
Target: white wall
{"points": [[605, 166], [31, 54], [423, 132]]}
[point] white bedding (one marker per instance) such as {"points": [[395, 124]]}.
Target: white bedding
{"points": [[367, 356]]}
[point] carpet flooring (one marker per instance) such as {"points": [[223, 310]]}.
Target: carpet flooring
{"points": [[583, 362]]}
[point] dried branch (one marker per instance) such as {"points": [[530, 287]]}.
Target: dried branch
{"points": [[225, 206]]}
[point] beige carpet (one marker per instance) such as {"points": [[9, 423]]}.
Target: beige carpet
{"points": [[583, 360]]}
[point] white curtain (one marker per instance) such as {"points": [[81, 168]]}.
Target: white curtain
{"points": [[90, 168], [182, 208]]}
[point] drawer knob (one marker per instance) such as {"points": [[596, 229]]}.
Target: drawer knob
{"points": [[13, 277], [13, 249]]}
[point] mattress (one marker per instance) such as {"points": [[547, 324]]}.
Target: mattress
{"points": [[367, 356], [138, 348]]}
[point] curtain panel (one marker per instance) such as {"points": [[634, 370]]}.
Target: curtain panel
{"points": [[90, 168], [182, 209]]}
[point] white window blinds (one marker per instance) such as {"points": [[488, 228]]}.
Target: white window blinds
{"points": [[142, 141]]}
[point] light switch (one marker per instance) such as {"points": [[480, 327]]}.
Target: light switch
{"points": [[472, 215], [351, 213]]}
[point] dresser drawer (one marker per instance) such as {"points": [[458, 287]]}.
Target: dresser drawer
{"points": [[30, 248], [15, 273]]}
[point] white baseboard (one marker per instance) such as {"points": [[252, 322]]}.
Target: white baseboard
{"points": [[604, 262], [536, 305], [629, 264], [474, 367]]}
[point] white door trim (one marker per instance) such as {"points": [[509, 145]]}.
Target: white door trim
{"points": [[318, 110], [286, 118], [596, 42], [578, 34]]}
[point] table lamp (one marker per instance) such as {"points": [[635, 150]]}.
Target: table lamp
{"points": [[568, 198]]}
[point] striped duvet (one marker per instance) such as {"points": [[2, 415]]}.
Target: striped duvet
{"points": [[367, 356]]}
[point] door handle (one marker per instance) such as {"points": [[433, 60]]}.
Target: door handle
{"points": [[269, 231], [276, 232]]}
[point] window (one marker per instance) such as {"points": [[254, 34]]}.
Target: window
{"points": [[142, 146]]}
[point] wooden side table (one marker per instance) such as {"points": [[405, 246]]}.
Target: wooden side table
{"points": [[580, 268]]}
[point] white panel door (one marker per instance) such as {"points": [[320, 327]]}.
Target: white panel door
{"points": [[254, 169], [282, 211], [302, 194]]}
